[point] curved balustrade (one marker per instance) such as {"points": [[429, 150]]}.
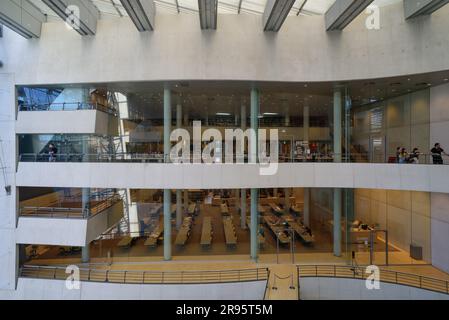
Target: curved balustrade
{"points": [[388, 276], [147, 277]]}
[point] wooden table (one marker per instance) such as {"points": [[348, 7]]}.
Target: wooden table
{"points": [[300, 229], [296, 209], [206, 232], [151, 241], [260, 237], [230, 236], [216, 201], [184, 232], [126, 242], [191, 208], [224, 209], [276, 228], [276, 208]]}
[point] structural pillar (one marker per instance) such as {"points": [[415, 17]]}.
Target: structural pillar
{"points": [[306, 208], [167, 192], [337, 158], [85, 253], [253, 159], [287, 203], [85, 202], [186, 200], [243, 191], [179, 191]]}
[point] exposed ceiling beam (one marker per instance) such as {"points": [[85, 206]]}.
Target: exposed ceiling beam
{"points": [[275, 13], [116, 8], [415, 8], [342, 12], [81, 15], [141, 12], [240, 6], [22, 17], [301, 7], [208, 14]]}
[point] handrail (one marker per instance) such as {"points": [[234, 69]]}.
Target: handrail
{"points": [[159, 158], [387, 276], [72, 213], [68, 106], [147, 277]]}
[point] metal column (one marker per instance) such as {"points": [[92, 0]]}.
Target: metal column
{"points": [[337, 158], [243, 191], [179, 191], [167, 192], [253, 159]]}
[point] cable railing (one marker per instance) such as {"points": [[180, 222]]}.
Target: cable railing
{"points": [[68, 106], [387, 276], [69, 213], [159, 158], [147, 277]]}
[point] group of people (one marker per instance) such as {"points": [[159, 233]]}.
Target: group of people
{"points": [[402, 156]]}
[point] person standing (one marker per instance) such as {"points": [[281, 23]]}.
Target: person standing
{"points": [[414, 156], [398, 153], [403, 156], [437, 152], [52, 151]]}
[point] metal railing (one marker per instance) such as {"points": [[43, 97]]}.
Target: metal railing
{"points": [[387, 276], [70, 213], [147, 277], [68, 106], [92, 158], [159, 158]]}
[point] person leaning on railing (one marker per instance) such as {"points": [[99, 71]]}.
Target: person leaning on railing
{"points": [[436, 154]]}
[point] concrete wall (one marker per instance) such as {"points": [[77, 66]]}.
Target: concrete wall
{"points": [[232, 176], [33, 289], [402, 121], [439, 116], [440, 230], [405, 214], [56, 122], [237, 50], [8, 166], [350, 289]]}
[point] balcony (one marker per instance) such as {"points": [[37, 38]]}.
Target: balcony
{"points": [[144, 175], [65, 225], [84, 118]]}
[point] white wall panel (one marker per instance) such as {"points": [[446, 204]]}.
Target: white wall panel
{"points": [[33, 289], [186, 176]]}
